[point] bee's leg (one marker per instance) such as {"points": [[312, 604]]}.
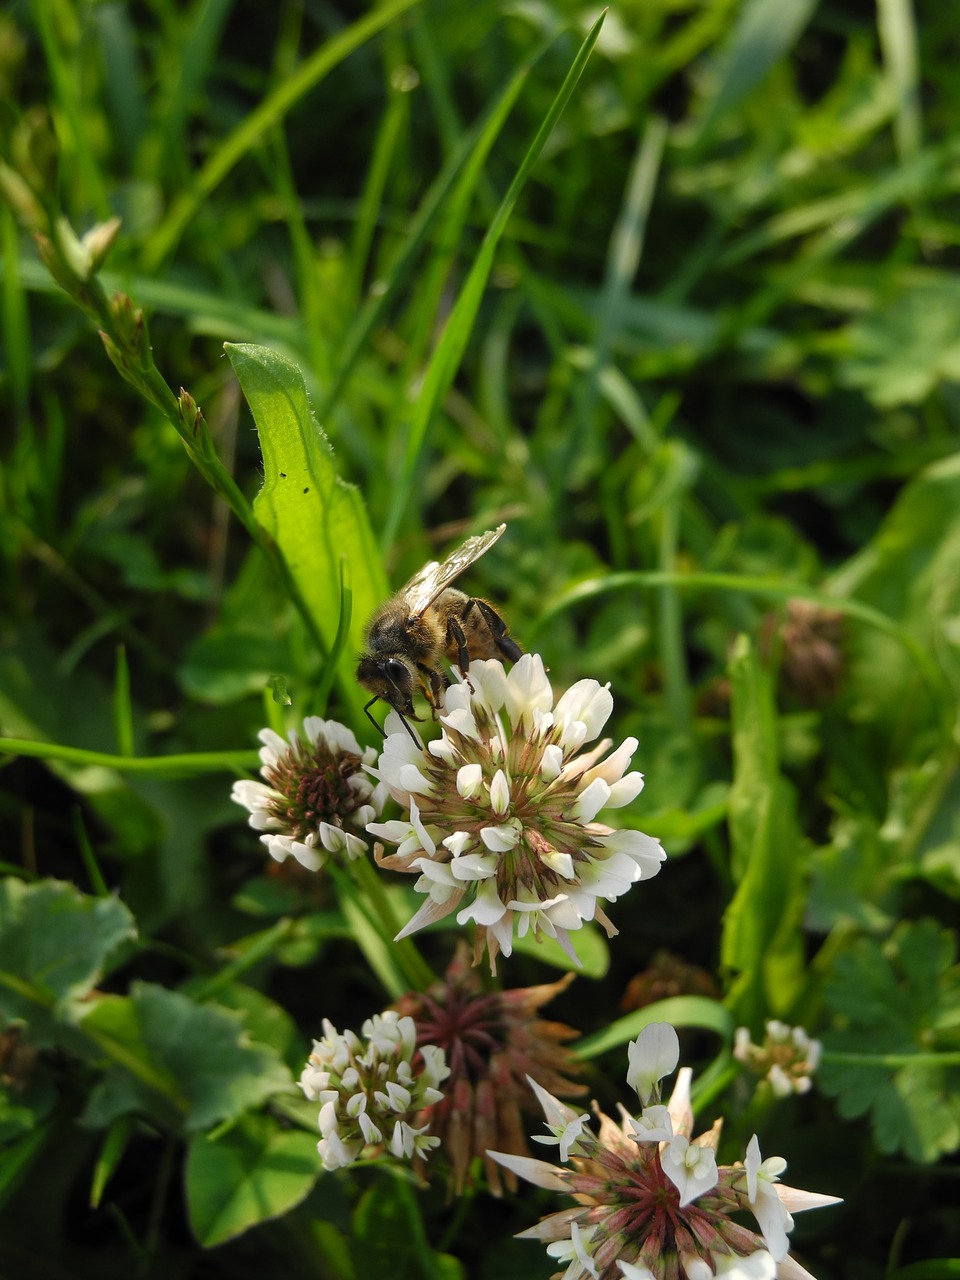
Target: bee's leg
{"points": [[369, 714], [497, 628], [437, 685], [456, 637]]}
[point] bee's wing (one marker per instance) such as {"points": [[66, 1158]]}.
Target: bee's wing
{"points": [[424, 587]]}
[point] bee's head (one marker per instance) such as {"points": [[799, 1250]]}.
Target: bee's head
{"points": [[390, 679]]}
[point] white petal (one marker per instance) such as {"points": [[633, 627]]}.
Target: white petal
{"points": [[429, 913], [653, 1055], [503, 838], [591, 800], [469, 781], [586, 702], [535, 1171], [474, 866], [625, 791], [527, 690], [551, 763], [486, 907], [500, 794]]}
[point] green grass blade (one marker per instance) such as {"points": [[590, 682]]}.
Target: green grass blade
{"points": [[681, 1011], [452, 344], [269, 112]]}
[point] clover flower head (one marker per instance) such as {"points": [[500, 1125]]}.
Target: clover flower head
{"points": [[317, 795], [786, 1059], [373, 1091], [650, 1201], [503, 809], [490, 1040]]}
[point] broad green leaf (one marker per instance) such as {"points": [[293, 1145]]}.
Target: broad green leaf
{"points": [[318, 520], [761, 940], [588, 942], [680, 1011], [55, 943], [253, 1172], [389, 1238], [894, 1006], [177, 1060]]}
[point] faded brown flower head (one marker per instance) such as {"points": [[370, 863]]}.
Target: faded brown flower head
{"points": [[492, 1041], [809, 640], [667, 976]]}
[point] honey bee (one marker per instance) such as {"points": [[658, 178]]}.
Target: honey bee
{"points": [[425, 621]]}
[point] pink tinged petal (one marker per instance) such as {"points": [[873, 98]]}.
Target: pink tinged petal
{"points": [[486, 907], [681, 1112], [430, 913], [469, 781], [500, 794], [535, 1171], [590, 801], [551, 762], [796, 1201], [555, 1112], [692, 1169], [653, 1055], [556, 1226], [503, 838]]}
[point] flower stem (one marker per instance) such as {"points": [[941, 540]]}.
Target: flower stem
{"points": [[415, 968]]}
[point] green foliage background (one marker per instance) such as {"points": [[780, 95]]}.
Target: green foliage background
{"points": [[689, 324]]}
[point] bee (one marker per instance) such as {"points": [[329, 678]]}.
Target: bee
{"points": [[425, 621]]}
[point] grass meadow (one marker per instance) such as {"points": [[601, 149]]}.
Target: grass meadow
{"points": [[297, 298]]}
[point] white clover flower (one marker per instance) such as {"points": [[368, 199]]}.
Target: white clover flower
{"points": [[503, 809], [787, 1058], [653, 1055], [317, 795], [652, 1208], [372, 1094]]}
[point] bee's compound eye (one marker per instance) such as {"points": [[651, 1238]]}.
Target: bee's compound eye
{"points": [[396, 673]]}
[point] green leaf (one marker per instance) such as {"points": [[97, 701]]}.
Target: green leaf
{"points": [[179, 1061], [588, 942], [316, 518], [54, 946], [253, 1172], [389, 1238], [761, 940], [680, 1011], [892, 1005]]}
